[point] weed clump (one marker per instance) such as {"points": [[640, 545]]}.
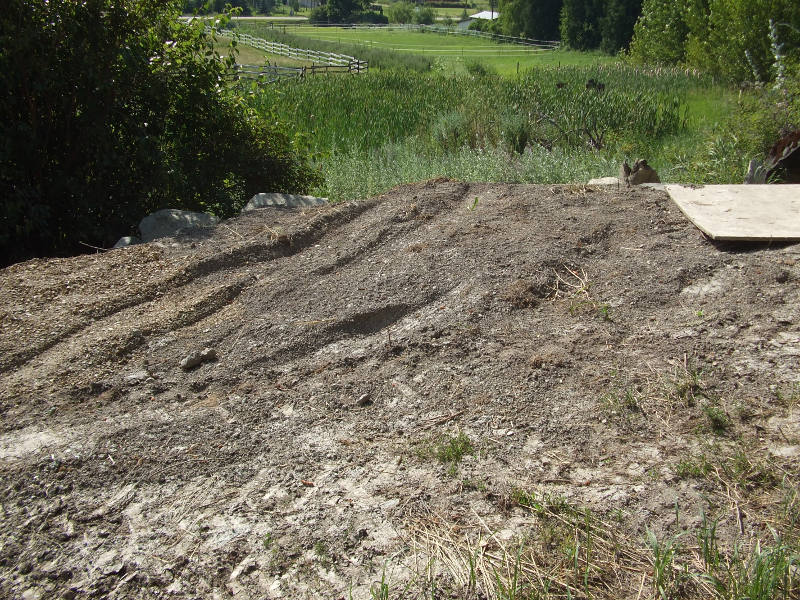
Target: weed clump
{"points": [[453, 449], [448, 450]]}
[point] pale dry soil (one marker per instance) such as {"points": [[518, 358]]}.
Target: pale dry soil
{"points": [[587, 340]]}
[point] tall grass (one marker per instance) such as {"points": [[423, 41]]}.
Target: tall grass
{"points": [[373, 131], [370, 110], [364, 173], [341, 113]]}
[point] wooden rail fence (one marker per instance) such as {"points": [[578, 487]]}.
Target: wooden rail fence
{"points": [[273, 73], [316, 57]]}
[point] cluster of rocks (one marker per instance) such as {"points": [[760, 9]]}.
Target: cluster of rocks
{"points": [[171, 221]]}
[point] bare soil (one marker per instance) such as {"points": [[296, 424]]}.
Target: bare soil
{"points": [[589, 342]]}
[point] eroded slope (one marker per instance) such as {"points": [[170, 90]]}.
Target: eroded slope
{"points": [[588, 342]]}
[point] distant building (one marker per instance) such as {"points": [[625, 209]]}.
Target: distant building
{"points": [[486, 15]]}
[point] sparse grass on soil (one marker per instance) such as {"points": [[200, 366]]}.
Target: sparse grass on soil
{"points": [[655, 454]]}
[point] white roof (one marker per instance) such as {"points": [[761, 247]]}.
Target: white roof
{"points": [[486, 14]]}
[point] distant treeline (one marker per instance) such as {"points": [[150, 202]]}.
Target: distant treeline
{"points": [[580, 24], [738, 40], [248, 7]]}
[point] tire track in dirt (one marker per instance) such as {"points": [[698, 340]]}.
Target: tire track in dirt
{"points": [[114, 337], [231, 259], [366, 238]]}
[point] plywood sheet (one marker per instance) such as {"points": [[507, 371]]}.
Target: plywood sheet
{"points": [[741, 212]]}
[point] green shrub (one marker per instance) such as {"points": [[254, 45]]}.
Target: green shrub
{"points": [[425, 15], [400, 12], [477, 68], [452, 131], [515, 131], [112, 110], [483, 25]]}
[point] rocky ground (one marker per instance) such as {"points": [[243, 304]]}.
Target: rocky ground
{"points": [[395, 395]]}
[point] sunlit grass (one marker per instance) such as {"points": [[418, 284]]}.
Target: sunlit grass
{"points": [[365, 173], [247, 55], [447, 52]]}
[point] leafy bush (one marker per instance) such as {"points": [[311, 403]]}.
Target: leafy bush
{"points": [[346, 11], [476, 68], [483, 25], [400, 12], [373, 18], [425, 15], [113, 110], [728, 38]]}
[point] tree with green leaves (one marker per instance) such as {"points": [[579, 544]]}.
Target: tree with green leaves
{"points": [[400, 12], [734, 39], [580, 23], [659, 36], [616, 24], [531, 19], [111, 110], [247, 7], [340, 11]]}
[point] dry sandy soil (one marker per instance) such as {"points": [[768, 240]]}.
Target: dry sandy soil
{"points": [[393, 384]]}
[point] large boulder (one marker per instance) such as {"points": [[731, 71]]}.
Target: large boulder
{"points": [[169, 221], [275, 200]]}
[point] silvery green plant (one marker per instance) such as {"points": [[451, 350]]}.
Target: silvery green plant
{"points": [[777, 52]]}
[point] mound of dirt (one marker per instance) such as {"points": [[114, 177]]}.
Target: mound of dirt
{"points": [[369, 372]]}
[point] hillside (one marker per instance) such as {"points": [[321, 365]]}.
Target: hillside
{"points": [[446, 371]]}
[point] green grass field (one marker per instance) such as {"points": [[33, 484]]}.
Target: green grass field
{"points": [[247, 55], [449, 51]]}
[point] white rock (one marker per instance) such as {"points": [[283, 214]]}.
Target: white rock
{"points": [[169, 221], [604, 181], [128, 240], [283, 201]]}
